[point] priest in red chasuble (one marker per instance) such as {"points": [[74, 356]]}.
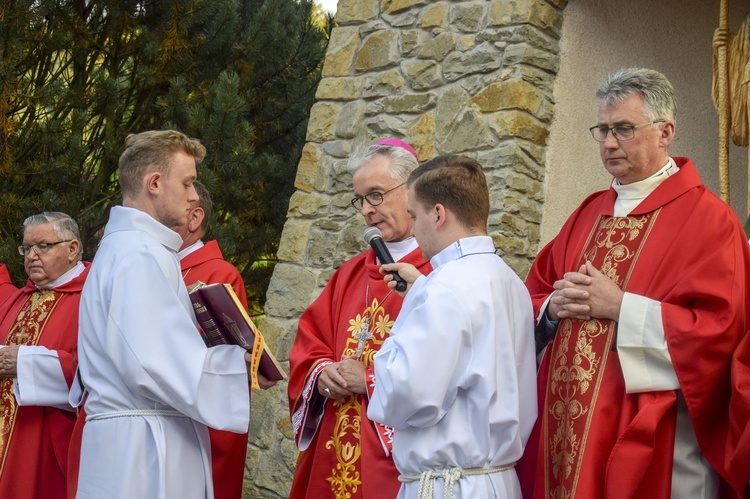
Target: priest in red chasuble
{"points": [[204, 262], [39, 327], [640, 301], [6, 285], [345, 455]]}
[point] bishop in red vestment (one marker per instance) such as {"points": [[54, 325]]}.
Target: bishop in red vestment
{"points": [[644, 292], [6, 285], [39, 330], [343, 452], [345, 455]]}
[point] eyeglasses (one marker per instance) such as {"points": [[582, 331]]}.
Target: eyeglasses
{"points": [[373, 198], [40, 248], [620, 132]]}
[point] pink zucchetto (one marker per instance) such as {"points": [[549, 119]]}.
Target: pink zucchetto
{"points": [[398, 143]]}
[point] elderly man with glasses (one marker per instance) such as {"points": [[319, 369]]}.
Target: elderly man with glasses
{"points": [[345, 455], [39, 328], [640, 301]]}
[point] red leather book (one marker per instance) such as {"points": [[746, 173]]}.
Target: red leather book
{"points": [[225, 321]]}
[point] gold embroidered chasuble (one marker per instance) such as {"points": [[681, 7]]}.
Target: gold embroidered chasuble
{"points": [[26, 330], [344, 454], [581, 354]]}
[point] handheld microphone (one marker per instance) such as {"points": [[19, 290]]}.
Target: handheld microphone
{"points": [[374, 238]]}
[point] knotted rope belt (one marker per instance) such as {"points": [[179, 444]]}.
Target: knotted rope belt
{"points": [[134, 413], [451, 476]]}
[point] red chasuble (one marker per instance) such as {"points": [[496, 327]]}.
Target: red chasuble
{"points": [[6, 285], [344, 454], [592, 439], [34, 439], [228, 450]]}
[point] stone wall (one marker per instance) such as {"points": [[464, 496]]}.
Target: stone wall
{"points": [[471, 77]]}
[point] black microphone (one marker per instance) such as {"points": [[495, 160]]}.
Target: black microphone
{"points": [[374, 238]]}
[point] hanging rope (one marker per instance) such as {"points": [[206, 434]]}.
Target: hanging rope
{"points": [[721, 39]]}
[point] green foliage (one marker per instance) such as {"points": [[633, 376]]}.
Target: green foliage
{"points": [[77, 76]]}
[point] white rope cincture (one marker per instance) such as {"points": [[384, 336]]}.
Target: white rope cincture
{"points": [[134, 413], [450, 476]]}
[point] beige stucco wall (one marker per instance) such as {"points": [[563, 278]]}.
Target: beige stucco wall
{"points": [[672, 36]]}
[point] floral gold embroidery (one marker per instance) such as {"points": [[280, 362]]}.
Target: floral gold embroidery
{"points": [[345, 478], [579, 352]]}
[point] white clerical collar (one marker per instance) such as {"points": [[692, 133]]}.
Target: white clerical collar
{"points": [[190, 249], [400, 249], [123, 218], [65, 278], [629, 196], [473, 245]]}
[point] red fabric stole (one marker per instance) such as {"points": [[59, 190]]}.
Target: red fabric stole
{"points": [[588, 411]]}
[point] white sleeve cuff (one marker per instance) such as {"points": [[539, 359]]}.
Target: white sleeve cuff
{"points": [[40, 379], [642, 346]]}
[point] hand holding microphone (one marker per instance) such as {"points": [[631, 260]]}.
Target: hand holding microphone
{"points": [[374, 238]]}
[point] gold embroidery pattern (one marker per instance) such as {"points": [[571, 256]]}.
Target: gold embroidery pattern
{"points": [[26, 330], [345, 477], [579, 353]]}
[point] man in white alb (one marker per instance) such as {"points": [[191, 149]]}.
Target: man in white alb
{"points": [[153, 385], [456, 378]]}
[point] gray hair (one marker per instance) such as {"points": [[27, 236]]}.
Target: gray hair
{"points": [[63, 224], [402, 161], [652, 86]]}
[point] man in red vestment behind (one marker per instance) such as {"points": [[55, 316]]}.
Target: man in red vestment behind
{"points": [[6, 285], [345, 455], [205, 263], [643, 296], [39, 328]]}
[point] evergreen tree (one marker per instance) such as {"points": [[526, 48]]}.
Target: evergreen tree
{"points": [[77, 76]]}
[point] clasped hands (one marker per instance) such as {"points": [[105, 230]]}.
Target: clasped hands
{"points": [[585, 294], [342, 379], [345, 378]]}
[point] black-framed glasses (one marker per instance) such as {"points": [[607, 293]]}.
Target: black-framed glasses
{"points": [[620, 132], [373, 198], [39, 248]]}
